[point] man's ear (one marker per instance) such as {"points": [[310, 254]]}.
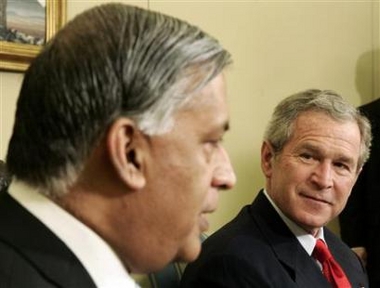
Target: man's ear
{"points": [[125, 144], [267, 158]]}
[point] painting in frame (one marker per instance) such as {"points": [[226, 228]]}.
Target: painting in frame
{"points": [[25, 26]]}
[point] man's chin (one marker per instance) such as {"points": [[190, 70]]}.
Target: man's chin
{"points": [[189, 252]]}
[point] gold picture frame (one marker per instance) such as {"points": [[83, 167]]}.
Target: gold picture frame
{"points": [[17, 57]]}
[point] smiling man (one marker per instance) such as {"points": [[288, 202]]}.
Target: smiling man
{"points": [[313, 150], [116, 152]]}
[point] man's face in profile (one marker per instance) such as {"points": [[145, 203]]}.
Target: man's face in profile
{"points": [[188, 167]]}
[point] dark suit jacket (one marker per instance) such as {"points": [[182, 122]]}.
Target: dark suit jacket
{"points": [[31, 256], [256, 249], [360, 220]]}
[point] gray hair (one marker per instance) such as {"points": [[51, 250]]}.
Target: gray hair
{"points": [[280, 127], [111, 61]]}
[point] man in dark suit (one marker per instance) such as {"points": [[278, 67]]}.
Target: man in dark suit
{"points": [[115, 155], [360, 219], [313, 150]]}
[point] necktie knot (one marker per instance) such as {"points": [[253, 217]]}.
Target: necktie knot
{"points": [[321, 252], [330, 268]]}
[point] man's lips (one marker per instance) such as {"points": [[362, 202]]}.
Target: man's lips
{"points": [[203, 222], [316, 199]]}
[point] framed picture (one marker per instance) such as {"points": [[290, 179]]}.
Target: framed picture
{"points": [[25, 26]]}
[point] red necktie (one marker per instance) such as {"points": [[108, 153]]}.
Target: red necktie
{"points": [[330, 268]]}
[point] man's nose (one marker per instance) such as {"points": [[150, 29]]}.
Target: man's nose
{"points": [[224, 175], [322, 175]]}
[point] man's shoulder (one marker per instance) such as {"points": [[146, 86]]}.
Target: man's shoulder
{"points": [[239, 240], [341, 251], [17, 271], [16, 221], [247, 234], [33, 253], [336, 243]]}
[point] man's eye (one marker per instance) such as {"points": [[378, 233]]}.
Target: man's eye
{"points": [[342, 166], [215, 143], [306, 156]]}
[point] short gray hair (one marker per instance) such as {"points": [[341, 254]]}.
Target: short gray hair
{"points": [[280, 127], [111, 61]]}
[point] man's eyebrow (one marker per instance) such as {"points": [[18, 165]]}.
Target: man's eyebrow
{"points": [[338, 156], [346, 159], [310, 147], [220, 128]]}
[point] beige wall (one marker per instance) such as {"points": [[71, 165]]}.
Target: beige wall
{"points": [[279, 47]]}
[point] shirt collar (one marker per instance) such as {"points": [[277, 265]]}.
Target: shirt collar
{"points": [[306, 240], [98, 258]]}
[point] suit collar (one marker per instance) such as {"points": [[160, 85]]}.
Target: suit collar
{"points": [[91, 250], [300, 266], [306, 240], [38, 245]]}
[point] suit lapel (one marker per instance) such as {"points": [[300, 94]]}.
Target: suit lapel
{"points": [[347, 260], [38, 245], [293, 257]]}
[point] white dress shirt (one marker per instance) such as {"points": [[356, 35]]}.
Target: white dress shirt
{"points": [[98, 258]]}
